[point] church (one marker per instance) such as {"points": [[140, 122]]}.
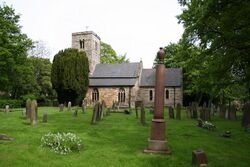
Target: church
{"points": [[124, 83]]}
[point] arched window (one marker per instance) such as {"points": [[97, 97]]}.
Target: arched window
{"points": [[167, 94], [95, 95], [121, 95], [82, 44], [150, 95]]}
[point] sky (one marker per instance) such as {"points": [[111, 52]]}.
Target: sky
{"points": [[135, 27]]}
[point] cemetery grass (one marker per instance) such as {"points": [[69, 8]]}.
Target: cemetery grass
{"points": [[119, 140]]}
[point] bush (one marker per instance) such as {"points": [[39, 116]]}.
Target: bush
{"points": [[11, 103], [61, 143]]}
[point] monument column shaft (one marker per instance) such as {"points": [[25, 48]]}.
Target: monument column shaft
{"points": [[159, 90]]}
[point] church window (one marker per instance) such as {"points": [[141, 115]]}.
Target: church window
{"points": [[82, 44], [167, 94], [150, 95], [95, 95], [121, 95]]}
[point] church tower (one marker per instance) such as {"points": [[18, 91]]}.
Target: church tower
{"points": [[89, 42]]}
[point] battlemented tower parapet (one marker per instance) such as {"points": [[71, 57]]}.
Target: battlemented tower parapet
{"points": [[89, 42]]}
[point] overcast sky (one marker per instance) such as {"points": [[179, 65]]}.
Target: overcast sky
{"points": [[135, 27]]}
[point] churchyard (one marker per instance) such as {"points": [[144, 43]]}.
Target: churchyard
{"points": [[118, 139]]}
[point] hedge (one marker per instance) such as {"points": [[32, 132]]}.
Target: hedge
{"points": [[11, 103]]}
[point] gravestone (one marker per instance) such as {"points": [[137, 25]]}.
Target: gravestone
{"points": [[7, 108], [142, 114], [83, 106], [223, 111], [246, 116], [199, 157], [28, 105], [95, 113], [189, 111], [171, 112], [69, 106], [36, 109], [200, 123], [33, 108], [202, 113], [75, 113], [207, 114], [178, 111], [61, 107], [138, 103], [45, 117], [232, 111], [194, 110], [103, 105]]}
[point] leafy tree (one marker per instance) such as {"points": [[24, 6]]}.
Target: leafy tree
{"points": [[42, 75], [108, 55], [15, 70], [220, 29], [69, 75]]}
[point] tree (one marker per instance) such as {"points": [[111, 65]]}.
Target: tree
{"points": [[14, 67], [69, 75], [220, 29], [108, 55], [39, 49], [42, 75]]}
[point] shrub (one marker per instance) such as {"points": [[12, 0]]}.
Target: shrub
{"points": [[11, 103], [61, 143]]}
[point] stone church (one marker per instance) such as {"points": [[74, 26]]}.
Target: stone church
{"points": [[124, 83]]}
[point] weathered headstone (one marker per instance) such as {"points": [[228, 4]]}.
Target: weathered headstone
{"points": [[95, 113], [199, 157], [246, 116], [138, 103], [232, 111], [7, 108], [222, 111], [61, 107], [103, 105], [207, 114], [202, 113], [28, 105], [33, 118], [194, 110], [69, 106], [36, 109], [171, 112], [75, 113], [178, 111], [83, 106], [142, 114], [45, 117], [189, 111]]}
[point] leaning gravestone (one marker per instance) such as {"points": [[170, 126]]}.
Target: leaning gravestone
{"points": [[7, 108], [246, 115], [61, 106], [45, 117], [178, 111], [33, 118], [171, 112], [95, 113], [69, 106], [28, 105]]}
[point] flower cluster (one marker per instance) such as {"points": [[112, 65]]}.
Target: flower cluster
{"points": [[62, 143], [209, 126]]}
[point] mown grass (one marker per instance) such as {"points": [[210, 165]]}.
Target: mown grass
{"points": [[119, 140]]}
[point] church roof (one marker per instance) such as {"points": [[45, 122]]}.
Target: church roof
{"points": [[124, 74], [173, 77]]}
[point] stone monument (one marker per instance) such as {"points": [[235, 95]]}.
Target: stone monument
{"points": [[157, 142]]}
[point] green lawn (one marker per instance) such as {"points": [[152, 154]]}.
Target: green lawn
{"points": [[119, 140]]}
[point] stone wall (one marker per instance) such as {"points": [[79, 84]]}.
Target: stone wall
{"points": [[110, 94], [92, 46], [144, 95]]}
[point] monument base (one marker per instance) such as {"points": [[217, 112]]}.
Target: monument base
{"points": [[157, 147]]}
